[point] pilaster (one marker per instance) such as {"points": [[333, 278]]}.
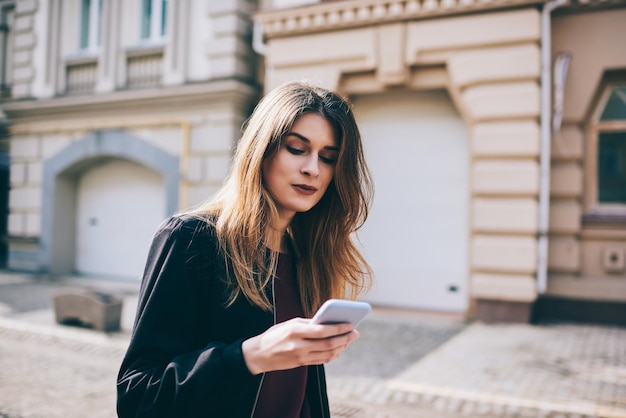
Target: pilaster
{"points": [[176, 49], [108, 56]]}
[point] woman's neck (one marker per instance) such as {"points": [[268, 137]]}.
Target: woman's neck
{"points": [[276, 233], [275, 239]]}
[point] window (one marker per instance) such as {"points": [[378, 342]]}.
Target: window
{"points": [[153, 20], [7, 16], [607, 153], [90, 13], [612, 167]]}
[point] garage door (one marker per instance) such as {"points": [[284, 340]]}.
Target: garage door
{"points": [[119, 206], [416, 237]]}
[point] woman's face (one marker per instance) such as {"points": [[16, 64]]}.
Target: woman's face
{"points": [[299, 173]]}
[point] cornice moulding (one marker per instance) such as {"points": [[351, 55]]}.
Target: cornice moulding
{"points": [[338, 15], [354, 13], [169, 99]]}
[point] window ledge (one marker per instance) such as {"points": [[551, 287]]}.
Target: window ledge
{"points": [[601, 218], [81, 58], [145, 50]]}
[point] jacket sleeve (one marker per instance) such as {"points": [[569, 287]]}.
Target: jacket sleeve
{"points": [[166, 372]]}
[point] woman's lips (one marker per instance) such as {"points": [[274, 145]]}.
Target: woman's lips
{"points": [[304, 189]]}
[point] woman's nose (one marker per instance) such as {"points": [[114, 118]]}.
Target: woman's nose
{"points": [[311, 167]]}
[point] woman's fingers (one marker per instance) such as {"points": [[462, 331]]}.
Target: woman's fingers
{"points": [[295, 343]]}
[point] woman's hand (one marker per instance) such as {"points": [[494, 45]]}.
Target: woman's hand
{"points": [[296, 343]]}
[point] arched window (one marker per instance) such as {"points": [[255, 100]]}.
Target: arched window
{"points": [[606, 155]]}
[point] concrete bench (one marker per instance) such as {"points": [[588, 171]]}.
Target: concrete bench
{"points": [[88, 308]]}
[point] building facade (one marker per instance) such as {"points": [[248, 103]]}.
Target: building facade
{"points": [[496, 136], [120, 113], [495, 132]]}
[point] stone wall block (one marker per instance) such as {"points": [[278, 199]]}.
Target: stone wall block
{"points": [[230, 25], [352, 49], [496, 64], [567, 144], [25, 6], [503, 100], [194, 171], [33, 225], [505, 215], [227, 45], [23, 74], [25, 148], [482, 30], [25, 198], [505, 139], [20, 90], [566, 180], [504, 254], [229, 66], [52, 144], [16, 224], [517, 288], [564, 255], [26, 40], [18, 174], [168, 138], [505, 177], [226, 6], [565, 216], [35, 173], [21, 58], [23, 23], [217, 168], [213, 138], [199, 194]]}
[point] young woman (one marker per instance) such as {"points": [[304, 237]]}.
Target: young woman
{"points": [[220, 328]]}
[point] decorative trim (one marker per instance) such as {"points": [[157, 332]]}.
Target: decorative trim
{"points": [[205, 95], [355, 13]]}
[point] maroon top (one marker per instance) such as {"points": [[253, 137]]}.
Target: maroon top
{"points": [[283, 391]]}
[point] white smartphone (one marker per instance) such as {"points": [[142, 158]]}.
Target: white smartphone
{"points": [[337, 311]]}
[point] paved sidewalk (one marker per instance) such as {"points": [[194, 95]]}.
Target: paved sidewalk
{"points": [[405, 364]]}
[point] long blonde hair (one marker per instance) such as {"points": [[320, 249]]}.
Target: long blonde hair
{"points": [[328, 260]]}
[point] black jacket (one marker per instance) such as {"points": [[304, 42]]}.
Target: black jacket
{"points": [[184, 358]]}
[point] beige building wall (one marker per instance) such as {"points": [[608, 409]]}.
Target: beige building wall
{"points": [[579, 250], [490, 65]]}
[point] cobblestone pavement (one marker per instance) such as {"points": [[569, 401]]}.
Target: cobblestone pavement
{"points": [[404, 365], [51, 371], [558, 370]]}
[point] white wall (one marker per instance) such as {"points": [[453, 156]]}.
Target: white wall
{"points": [[119, 206], [416, 237]]}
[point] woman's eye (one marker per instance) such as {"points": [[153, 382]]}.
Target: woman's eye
{"points": [[327, 160], [294, 151]]}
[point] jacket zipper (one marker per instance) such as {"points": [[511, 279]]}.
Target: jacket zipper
{"points": [[258, 392]]}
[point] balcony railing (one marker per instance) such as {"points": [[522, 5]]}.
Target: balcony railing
{"points": [[144, 67], [81, 77]]}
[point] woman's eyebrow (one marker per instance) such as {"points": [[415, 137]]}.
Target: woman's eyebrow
{"points": [[305, 139]]}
